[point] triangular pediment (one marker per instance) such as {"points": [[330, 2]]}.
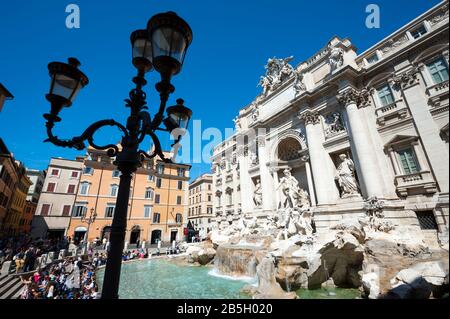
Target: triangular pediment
{"points": [[400, 138]]}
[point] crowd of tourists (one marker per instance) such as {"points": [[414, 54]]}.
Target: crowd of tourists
{"points": [[23, 251], [135, 254], [68, 279]]}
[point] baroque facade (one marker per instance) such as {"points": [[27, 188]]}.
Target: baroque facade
{"points": [[200, 211], [350, 128]]}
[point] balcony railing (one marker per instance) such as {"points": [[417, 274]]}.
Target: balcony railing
{"points": [[416, 183], [398, 108], [438, 88], [174, 223], [438, 93]]}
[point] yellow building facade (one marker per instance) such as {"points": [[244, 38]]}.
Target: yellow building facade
{"points": [[8, 181], [15, 220], [157, 205]]}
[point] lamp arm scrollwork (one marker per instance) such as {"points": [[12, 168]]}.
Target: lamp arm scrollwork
{"points": [[157, 149], [77, 142]]}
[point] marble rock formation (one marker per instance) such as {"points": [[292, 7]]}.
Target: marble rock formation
{"points": [[202, 254], [371, 285], [268, 287], [337, 256], [420, 281]]}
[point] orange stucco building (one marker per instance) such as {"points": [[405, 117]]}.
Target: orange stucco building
{"points": [[157, 205]]}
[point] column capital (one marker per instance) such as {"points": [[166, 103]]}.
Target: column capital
{"points": [[353, 96], [407, 79], [261, 140], [309, 117], [240, 151]]}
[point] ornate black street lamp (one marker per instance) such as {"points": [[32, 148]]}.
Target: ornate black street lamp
{"points": [[162, 46]]}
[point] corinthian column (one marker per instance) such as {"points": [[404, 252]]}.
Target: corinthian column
{"points": [[266, 180], [361, 143], [246, 195], [321, 165], [312, 193]]}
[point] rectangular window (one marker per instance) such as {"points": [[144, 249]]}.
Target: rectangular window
{"points": [[149, 193], [114, 189], [158, 182], [180, 172], [160, 168], [115, 173], [71, 189], [151, 177], [147, 211], [408, 161], [438, 70], [156, 218], [209, 197], [88, 170], [79, 210], [55, 172], [157, 198], [178, 218], [84, 188], [418, 32], [385, 95], [109, 212], [74, 174], [178, 200], [180, 185], [45, 210], [51, 187], [372, 59], [66, 210], [427, 220]]}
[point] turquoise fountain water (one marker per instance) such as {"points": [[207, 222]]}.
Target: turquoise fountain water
{"points": [[162, 279]]}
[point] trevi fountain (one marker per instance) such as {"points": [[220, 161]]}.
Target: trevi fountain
{"points": [[281, 256]]}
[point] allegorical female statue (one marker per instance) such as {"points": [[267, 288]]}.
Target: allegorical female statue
{"points": [[257, 194], [345, 177]]}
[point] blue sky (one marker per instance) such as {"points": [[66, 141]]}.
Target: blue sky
{"points": [[232, 41]]}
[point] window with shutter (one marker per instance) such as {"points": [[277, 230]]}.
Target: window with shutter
{"points": [[66, 210], [45, 210], [438, 70], [385, 95], [408, 161], [51, 187], [71, 189]]}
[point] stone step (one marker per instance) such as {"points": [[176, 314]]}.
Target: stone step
{"points": [[14, 290], [10, 287], [4, 280]]}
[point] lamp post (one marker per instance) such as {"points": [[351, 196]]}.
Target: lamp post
{"points": [[89, 221], [162, 46]]}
